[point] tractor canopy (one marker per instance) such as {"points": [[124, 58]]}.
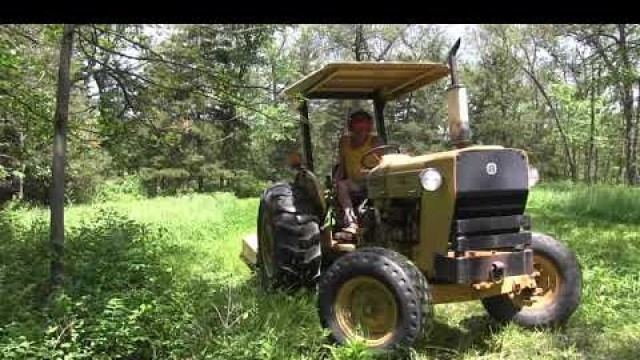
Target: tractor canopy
{"points": [[366, 80], [377, 81]]}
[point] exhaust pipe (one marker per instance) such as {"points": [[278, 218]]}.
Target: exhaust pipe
{"points": [[458, 107]]}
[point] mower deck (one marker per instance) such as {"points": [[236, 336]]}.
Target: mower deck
{"points": [[250, 249]]}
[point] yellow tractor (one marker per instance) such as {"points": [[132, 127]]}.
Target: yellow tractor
{"points": [[435, 228]]}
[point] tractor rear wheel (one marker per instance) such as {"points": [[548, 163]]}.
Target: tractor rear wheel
{"points": [[558, 291], [377, 296], [289, 254]]}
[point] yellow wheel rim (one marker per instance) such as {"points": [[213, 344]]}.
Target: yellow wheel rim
{"points": [[548, 283], [366, 311]]}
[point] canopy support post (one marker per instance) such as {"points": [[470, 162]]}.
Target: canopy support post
{"points": [[305, 129], [378, 104]]}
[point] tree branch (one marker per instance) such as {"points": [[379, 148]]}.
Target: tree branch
{"points": [[235, 99], [565, 141], [160, 58], [15, 29]]}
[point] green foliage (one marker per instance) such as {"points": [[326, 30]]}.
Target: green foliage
{"points": [[172, 181], [616, 204], [203, 114], [115, 266], [166, 181], [207, 102], [85, 174], [23, 268], [120, 189], [138, 288], [244, 184], [165, 282]]}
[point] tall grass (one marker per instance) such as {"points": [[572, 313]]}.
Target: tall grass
{"points": [[617, 204], [162, 279]]}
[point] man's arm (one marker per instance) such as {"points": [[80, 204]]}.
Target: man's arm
{"points": [[377, 141]]}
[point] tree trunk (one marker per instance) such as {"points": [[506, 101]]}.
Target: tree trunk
{"points": [[59, 147], [274, 82], [627, 107], [565, 142], [636, 134], [621, 167], [592, 127], [23, 167], [356, 43], [360, 48], [627, 113], [407, 107], [595, 166]]}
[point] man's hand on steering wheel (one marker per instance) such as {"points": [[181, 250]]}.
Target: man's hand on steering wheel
{"points": [[376, 153]]}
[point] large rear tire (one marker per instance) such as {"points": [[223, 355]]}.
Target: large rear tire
{"points": [[376, 296], [289, 253], [559, 288]]}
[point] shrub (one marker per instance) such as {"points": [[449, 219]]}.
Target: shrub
{"points": [[120, 189], [117, 300], [245, 185], [167, 181]]}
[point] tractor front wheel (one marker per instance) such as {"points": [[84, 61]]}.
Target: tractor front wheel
{"points": [[376, 296], [558, 291]]}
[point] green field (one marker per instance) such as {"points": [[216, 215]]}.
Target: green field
{"points": [[162, 278]]}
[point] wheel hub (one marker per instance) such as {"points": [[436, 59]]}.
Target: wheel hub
{"points": [[548, 281], [366, 310]]}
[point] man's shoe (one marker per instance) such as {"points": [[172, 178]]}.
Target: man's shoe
{"points": [[351, 229]]}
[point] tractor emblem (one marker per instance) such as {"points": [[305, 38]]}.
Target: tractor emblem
{"points": [[492, 168]]}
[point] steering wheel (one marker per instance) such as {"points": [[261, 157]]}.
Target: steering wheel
{"points": [[373, 153]]}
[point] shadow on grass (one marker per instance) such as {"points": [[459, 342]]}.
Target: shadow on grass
{"points": [[448, 342], [621, 350]]}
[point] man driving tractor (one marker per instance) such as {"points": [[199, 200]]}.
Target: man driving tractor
{"points": [[432, 228], [350, 174]]}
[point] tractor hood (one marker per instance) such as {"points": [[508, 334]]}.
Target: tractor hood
{"points": [[469, 171], [400, 162]]}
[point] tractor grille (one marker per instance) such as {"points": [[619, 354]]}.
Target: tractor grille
{"points": [[497, 204], [491, 183], [492, 189]]}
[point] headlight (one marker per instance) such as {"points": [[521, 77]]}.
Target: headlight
{"points": [[430, 179]]}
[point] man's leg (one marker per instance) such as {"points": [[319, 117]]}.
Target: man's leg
{"points": [[344, 198]]}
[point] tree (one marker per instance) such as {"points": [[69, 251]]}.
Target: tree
{"points": [[59, 148], [518, 50], [616, 46]]}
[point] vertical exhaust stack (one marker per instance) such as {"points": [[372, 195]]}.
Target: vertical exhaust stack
{"points": [[458, 108]]}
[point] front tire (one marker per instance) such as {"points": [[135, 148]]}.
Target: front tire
{"points": [[559, 288], [376, 296]]}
